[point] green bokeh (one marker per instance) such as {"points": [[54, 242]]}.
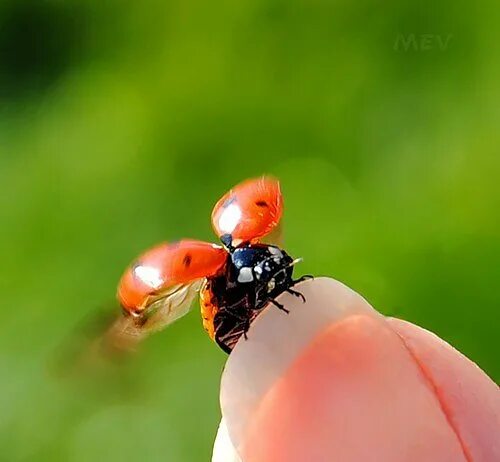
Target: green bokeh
{"points": [[121, 123]]}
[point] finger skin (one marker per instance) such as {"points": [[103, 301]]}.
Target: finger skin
{"points": [[223, 447], [353, 395], [354, 389], [469, 398]]}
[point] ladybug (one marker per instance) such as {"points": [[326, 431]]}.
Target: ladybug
{"points": [[235, 280]]}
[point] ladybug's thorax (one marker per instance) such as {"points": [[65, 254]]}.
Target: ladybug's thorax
{"points": [[264, 266]]}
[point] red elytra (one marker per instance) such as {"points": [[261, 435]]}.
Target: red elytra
{"points": [[167, 265], [248, 212]]}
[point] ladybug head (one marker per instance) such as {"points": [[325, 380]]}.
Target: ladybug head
{"points": [[267, 267]]}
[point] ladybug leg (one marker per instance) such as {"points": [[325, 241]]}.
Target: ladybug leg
{"points": [[303, 278], [229, 328], [231, 308], [245, 329], [297, 294], [279, 305], [236, 316], [241, 328], [248, 319], [242, 320]]}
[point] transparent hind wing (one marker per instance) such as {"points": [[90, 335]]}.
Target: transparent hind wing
{"points": [[128, 331], [105, 337], [167, 309]]}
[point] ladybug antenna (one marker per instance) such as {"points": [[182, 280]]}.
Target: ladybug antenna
{"points": [[292, 263]]}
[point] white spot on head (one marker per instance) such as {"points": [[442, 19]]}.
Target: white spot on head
{"points": [[149, 275], [229, 218], [245, 274], [258, 271], [271, 285], [275, 251]]}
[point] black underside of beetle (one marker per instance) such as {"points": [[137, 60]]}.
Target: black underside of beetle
{"points": [[237, 302]]}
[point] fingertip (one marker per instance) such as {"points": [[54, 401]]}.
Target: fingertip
{"points": [[353, 394], [223, 447], [274, 342], [335, 379]]}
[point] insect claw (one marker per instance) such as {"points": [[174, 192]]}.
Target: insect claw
{"points": [[297, 294], [303, 278], [279, 305]]}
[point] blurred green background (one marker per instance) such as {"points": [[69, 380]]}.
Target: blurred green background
{"points": [[121, 124]]}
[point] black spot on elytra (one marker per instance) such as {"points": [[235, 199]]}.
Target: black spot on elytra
{"points": [[186, 261], [262, 204]]}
